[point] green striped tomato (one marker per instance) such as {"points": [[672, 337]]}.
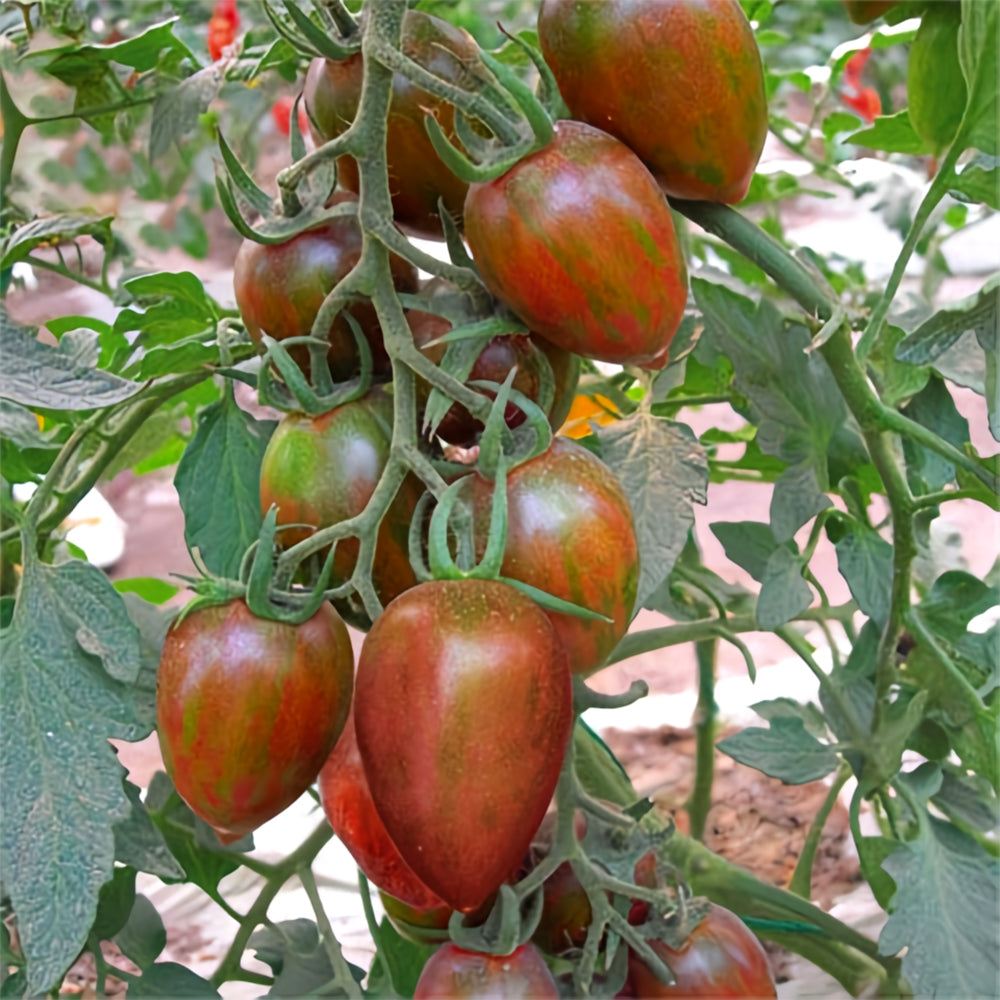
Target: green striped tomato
{"points": [[249, 709], [578, 240]]}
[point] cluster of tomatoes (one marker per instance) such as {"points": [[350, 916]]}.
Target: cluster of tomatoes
{"points": [[438, 757]]}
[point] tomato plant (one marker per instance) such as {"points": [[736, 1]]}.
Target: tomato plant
{"points": [[453, 972], [249, 709], [579, 214], [570, 533], [347, 802], [721, 958], [463, 710], [280, 287], [647, 73], [417, 178]]}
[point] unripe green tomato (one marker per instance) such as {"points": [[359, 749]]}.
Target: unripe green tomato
{"points": [[936, 89]]}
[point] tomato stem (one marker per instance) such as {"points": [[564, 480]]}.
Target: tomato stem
{"points": [[705, 715]]}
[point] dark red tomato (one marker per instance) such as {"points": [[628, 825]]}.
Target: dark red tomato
{"points": [[249, 709], [419, 926], [499, 355], [453, 972], [417, 178], [463, 710], [570, 533], [280, 288], [679, 83], [322, 470], [721, 958], [347, 802], [578, 240]]}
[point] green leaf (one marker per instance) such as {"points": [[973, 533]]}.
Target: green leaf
{"points": [[979, 54], [66, 663], [900, 379], [783, 592], [979, 181], [140, 844], [785, 751], [944, 913], [298, 959], [398, 964], [192, 237], [794, 400], [796, 500], [749, 544], [865, 561], [663, 471], [190, 839], [884, 755], [218, 481], [114, 903], [892, 134], [934, 407], [175, 308], [872, 852], [18, 426], [143, 937], [149, 588], [788, 708], [168, 979], [52, 229], [176, 111], [37, 374], [837, 122]]}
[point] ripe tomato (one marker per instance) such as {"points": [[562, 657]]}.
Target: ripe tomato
{"points": [[721, 958], [249, 709], [570, 533], [453, 972], [347, 802], [578, 240], [417, 177], [322, 470], [500, 354], [680, 83], [280, 288], [463, 710], [222, 27], [281, 112]]}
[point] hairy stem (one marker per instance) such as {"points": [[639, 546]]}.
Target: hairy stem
{"points": [[705, 715]]}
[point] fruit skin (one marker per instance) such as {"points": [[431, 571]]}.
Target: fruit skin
{"points": [[280, 288], [453, 972], [248, 710], [721, 958], [681, 83], [935, 87], [417, 177], [498, 356], [863, 11], [429, 926], [222, 27], [570, 533], [322, 470], [463, 710], [347, 802], [577, 239]]}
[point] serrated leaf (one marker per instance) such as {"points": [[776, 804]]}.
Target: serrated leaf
{"points": [[114, 903], [37, 374], [865, 561], [979, 181], [170, 980], [899, 379], [218, 482], [794, 400], [297, 957], [934, 407], [785, 751], [143, 937], [52, 229], [783, 591], [663, 471], [969, 799], [176, 111], [140, 844], [892, 134], [796, 500], [60, 780], [944, 913], [788, 708], [749, 544], [19, 426]]}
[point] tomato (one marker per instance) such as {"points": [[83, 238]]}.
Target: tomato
{"points": [[570, 533], [281, 112], [498, 356], [421, 926], [463, 710], [578, 240], [222, 27], [453, 972], [680, 83], [321, 470], [347, 802], [863, 11], [721, 958], [280, 288], [248, 710], [417, 177]]}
